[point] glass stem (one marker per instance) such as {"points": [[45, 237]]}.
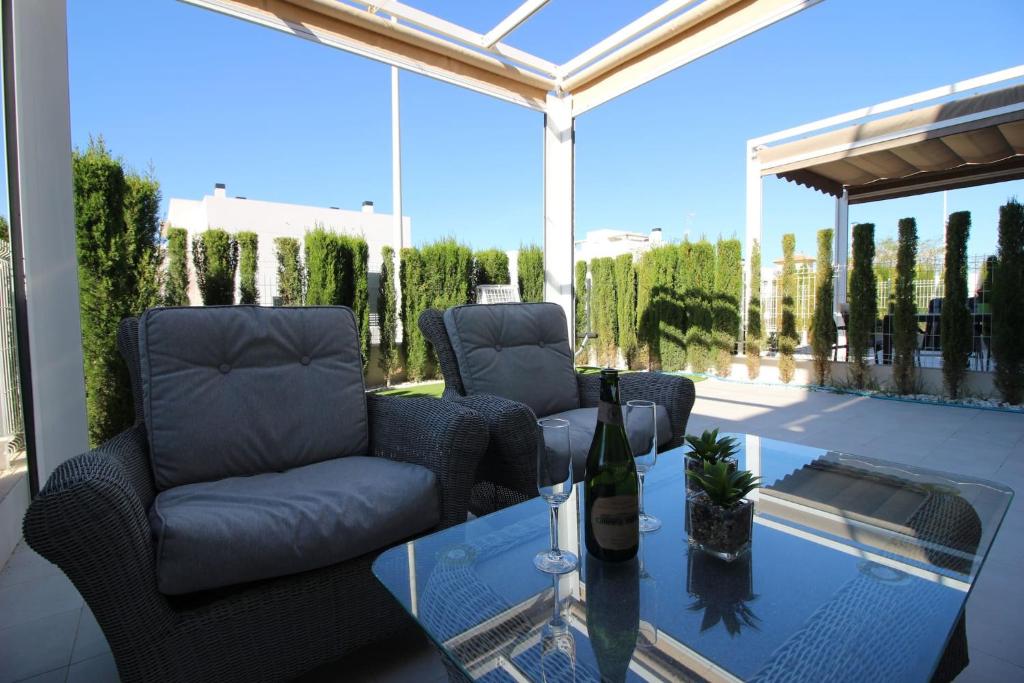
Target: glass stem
{"points": [[640, 476], [555, 550]]}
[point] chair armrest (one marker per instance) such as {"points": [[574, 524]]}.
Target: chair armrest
{"points": [[447, 438], [675, 393], [90, 519], [514, 437]]}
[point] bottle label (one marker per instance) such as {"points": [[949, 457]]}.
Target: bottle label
{"points": [[615, 522], [609, 413]]}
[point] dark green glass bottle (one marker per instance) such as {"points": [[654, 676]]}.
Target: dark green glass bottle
{"points": [[610, 503]]}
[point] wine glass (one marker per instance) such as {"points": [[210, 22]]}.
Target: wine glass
{"points": [[554, 483], [642, 427]]}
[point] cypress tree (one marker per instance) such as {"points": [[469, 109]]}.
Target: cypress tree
{"points": [[671, 268], [289, 271], [490, 267], [604, 310], [5, 229], [353, 260], [726, 302], [625, 297], [322, 285], [788, 339], [863, 302], [412, 281], [699, 319], [1008, 304], [387, 319], [823, 329], [581, 299], [646, 323], [215, 259], [116, 230], [755, 325], [905, 328], [956, 329], [176, 283], [531, 273], [248, 253]]}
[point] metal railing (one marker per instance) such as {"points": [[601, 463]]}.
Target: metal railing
{"points": [[12, 419]]}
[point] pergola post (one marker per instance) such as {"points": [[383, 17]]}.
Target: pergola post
{"points": [[397, 224], [559, 165], [842, 248], [754, 226]]}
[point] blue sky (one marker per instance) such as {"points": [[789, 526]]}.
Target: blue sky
{"points": [[207, 99]]}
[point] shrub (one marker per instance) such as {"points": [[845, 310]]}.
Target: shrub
{"points": [[863, 303], [387, 315], [116, 231], [726, 302], [904, 318], [823, 329], [248, 253], [411, 280], [5, 229], [322, 285], [581, 299], [625, 297], [788, 339], [490, 267], [671, 272], [215, 259], [603, 309], [755, 325], [289, 271], [1007, 304], [353, 257], [956, 327], [699, 321], [531, 273], [176, 282]]}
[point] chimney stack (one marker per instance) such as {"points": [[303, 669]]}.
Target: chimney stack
{"points": [[220, 190], [367, 206], [655, 236]]}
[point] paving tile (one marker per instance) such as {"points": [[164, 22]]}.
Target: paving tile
{"points": [[37, 598], [38, 646], [986, 668], [55, 676], [100, 669], [993, 623], [26, 564], [90, 641]]}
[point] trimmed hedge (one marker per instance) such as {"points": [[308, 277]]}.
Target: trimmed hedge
{"points": [[726, 303], [323, 287], [661, 309], [290, 276], [788, 339], [5, 229], [415, 345], [215, 259], [755, 323], [581, 299], [699, 292], [355, 256], [1007, 304], [176, 281], [248, 253], [823, 328], [956, 326], [904, 319], [625, 296], [604, 311], [863, 298], [387, 315], [531, 273], [490, 267], [116, 233]]}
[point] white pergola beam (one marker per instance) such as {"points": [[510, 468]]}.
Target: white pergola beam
{"points": [[347, 28], [459, 33], [624, 35], [512, 21], [690, 36]]}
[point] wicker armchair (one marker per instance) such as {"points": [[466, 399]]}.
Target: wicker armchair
{"points": [[91, 520], [507, 473]]}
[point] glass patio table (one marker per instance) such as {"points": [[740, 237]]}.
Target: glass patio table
{"points": [[859, 570]]}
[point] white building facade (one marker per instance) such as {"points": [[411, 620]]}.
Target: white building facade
{"points": [[607, 242], [270, 220]]}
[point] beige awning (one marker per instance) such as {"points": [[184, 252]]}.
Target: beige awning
{"points": [[971, 141]]}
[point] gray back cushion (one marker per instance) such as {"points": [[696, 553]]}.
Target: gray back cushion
{"points": [[518, 351], [240, 390]]}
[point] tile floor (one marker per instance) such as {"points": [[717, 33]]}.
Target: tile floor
{"points": [[48, 635]]}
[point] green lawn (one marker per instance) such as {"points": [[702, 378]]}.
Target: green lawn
{"points": [[435, 389]]}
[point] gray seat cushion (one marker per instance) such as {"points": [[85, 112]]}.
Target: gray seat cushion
{"points": [[517, 351], [237, 390], [583, 422], [242, 529]]}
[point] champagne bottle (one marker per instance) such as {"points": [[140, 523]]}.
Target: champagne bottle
{"points": [[610, 502]]}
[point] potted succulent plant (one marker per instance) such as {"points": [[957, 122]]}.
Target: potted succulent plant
{"points": [[719, 518], [708, 448]]}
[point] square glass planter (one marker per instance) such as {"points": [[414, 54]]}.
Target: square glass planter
{"points": [[722, 532], [697, 465]]}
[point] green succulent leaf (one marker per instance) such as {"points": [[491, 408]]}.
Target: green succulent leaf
{"points": [[724, 487], [709, 448]]}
